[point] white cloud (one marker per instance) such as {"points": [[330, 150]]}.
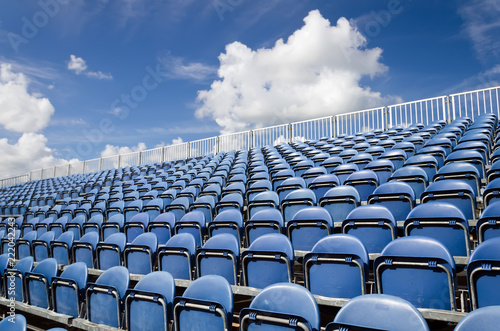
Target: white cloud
{"points": [[484, 79], [316, 72], [176, 68], [28, 153], [21, 111], [78, 65], [482, 26], [111, 150], [177, 140]]}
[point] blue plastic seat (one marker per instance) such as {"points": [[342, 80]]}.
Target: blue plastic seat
{"points": [[168, 196], [364, 181], [205, 204], [343, 171], [230, 201], [373, 225], [76, 226], [263, 200], [270, 252], [180, 206], [163, 227], [295, 201], [307, 226], [321, 184], [178, 256], [207, 304], [136, 226], [43, 226], [193, 223], [84, 250], [109, 253], [414, 176], [228, 221], [60, 249], [426, 162], [14, 323], [14, 288], [290, 185], [41, 246], [379, 312], [68, 289], [374, 150], [406, 146], [277, 305], [337, 267], [453, 191], [491, 193], [483, 274], [418, 269], [468, 156], [265, 221], [94, 224], [460, 171], [441, 221], [312, 173], [132, 209], [140, 256], [23, 246], [494, 171], [483, 319], [488, 225], [153, 294], [4, 264], [331, 163], [438, 152], [104, 297], [114, 224], [153, 208], [361, 160], [29, 226], [474, 145], [38, 282], [396, 196], [219, 256], [340, 201]]}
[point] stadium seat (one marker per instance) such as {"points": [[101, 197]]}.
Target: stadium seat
{"points": [[14, 323], [307, 226], [41, 246], [321, 184], [373, 225], [443, 222], [428, 163], [281, 306], [68, 289], [228, 221], [265, 221], [488, 225], [153, 208], [263, 200], [207, 304], [219, 256], [94, 224], [76, 226], [379, 312], [153, 294], [14, 283], [295, 201], [398, 197], [340, 201], [460, 171], [453, 191], [343, 171], [272, 253], [364, 181], [177, 256], [140, 256], [84, 250], [163, 227], [491, 193], [38, 283], [104, 297], [483, 319], [23, 246], [109, 253], [194, 223], [414, 176], [337, 267], [60, 249], [136, 226], [483, 274], [418, 269], [205, 204]]}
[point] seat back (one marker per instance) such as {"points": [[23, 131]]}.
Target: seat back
{"points": [[68, 289]]}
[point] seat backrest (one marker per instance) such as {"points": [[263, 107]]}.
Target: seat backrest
{"points": [[488, 225], [178, 256], [483, 319], [210, 262], [380, 312], [282, 301], [207, 301], [307, 226]]}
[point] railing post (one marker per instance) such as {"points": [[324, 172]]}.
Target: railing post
{"points": [[119, 161], [140, 158], [54, 173], [162, 154], [217, 148], [69, 169], [448, 105], [84, 165], [290, 133], [250, 139], [388, 120], [100, 164]]}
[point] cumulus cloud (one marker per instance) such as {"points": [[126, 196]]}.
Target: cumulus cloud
{"points": [[112, 150], [79, 65], [28, 153], [316, 72], [21, 111]]}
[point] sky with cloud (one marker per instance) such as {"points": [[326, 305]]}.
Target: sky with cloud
{"points": [[86, 79]]}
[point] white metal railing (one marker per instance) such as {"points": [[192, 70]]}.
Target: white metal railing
{"points": [[470, 103]]}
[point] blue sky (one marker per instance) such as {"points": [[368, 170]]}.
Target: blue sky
{"points": [[81, 79]]}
